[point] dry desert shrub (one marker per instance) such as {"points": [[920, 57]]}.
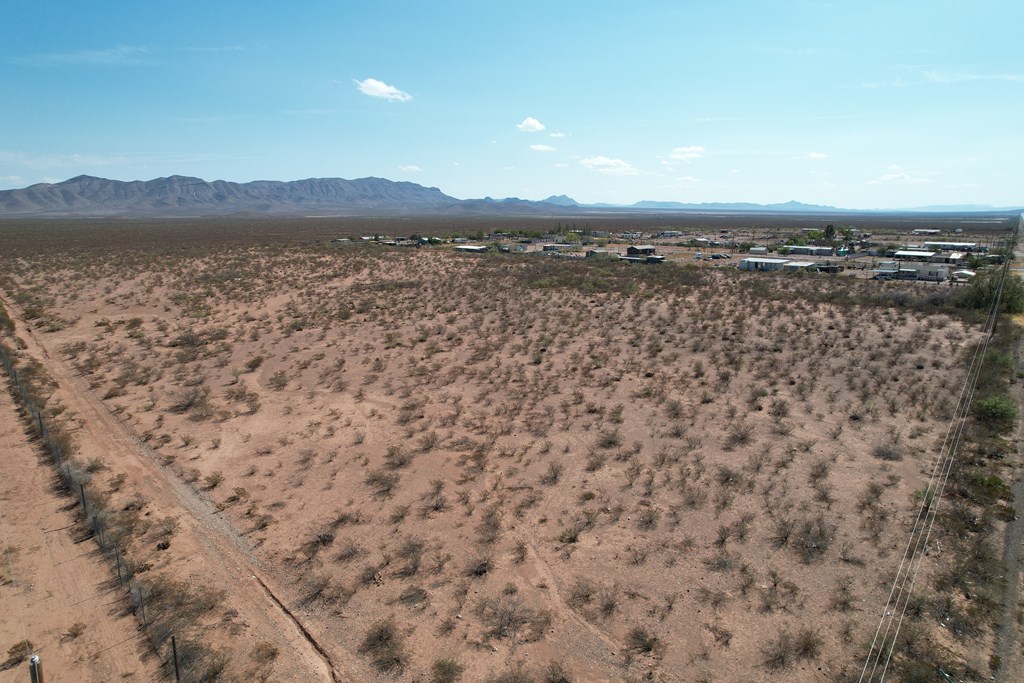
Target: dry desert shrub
{"points": [[384, 645], [508, 616], [587, 407]]}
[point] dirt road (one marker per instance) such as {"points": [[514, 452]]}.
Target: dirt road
{"points": [[51, 580], [206, 549]]}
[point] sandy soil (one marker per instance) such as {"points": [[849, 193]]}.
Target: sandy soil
{"points": [[506, 467], [205, 548], [56, 588]]}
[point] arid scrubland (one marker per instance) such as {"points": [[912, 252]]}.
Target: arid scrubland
{"points": [[511, 468]]}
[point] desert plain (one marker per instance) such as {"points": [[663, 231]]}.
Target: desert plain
{"points": [[368, 463]]}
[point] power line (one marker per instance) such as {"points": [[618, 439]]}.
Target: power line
{"points": [[921, 532]]}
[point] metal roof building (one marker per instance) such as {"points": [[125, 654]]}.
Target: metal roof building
{"points": [[762, 263], [914, 254]]}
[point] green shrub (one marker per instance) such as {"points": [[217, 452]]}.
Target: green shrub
{"points": [[997, 411], [981, 292]]}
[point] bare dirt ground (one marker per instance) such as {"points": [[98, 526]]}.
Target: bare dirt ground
{"points": [[443, 463], [56, 589], [206, 549]]}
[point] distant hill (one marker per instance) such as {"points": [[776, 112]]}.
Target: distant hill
{"points": [[561, 200], [786, 207], [184, 196], [964, 208]]}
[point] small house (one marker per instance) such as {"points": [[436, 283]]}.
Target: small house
{"points": [[932, 272], [809, 250], [472, 248], [762, 263], [962, 275], [640, 250], [969, 247], [948, 257], [913, 255]]}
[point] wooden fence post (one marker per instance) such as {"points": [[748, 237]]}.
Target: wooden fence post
{"points": [[174, 653]]}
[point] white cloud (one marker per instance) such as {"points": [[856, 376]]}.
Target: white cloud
{"points": [[916, 75], [530, 125], [960, 76], [219, 48], [688, 179], [603, 164], [897, 176], [817, 155], [876, 85], [123, 54], [375, 88], [557, 135], [543, 148], [561, 165], [12, 181], [410, 169], [46, 161], [686, 153]]}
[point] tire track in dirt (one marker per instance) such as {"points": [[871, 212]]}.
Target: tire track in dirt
{"points": [[57, 581], [563, 609], [225, 559]]}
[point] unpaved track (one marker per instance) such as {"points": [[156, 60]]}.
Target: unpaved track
{"points": [[53, 579], [216, 554]]}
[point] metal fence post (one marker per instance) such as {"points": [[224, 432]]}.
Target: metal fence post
{"points": [[35, 669]]}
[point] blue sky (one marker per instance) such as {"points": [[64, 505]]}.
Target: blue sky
{"points": [[856, 104]]}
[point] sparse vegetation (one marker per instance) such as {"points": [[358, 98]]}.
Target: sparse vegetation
{"points": [[477, 444], [382, 643]]}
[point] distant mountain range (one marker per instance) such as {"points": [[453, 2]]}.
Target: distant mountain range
{"points": [[88, 196]]}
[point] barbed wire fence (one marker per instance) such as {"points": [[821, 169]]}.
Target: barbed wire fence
{"points": [[161, 608]]}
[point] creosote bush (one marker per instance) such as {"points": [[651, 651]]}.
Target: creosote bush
{"points": [[640, 640], [446, 670], [382, 643]]}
